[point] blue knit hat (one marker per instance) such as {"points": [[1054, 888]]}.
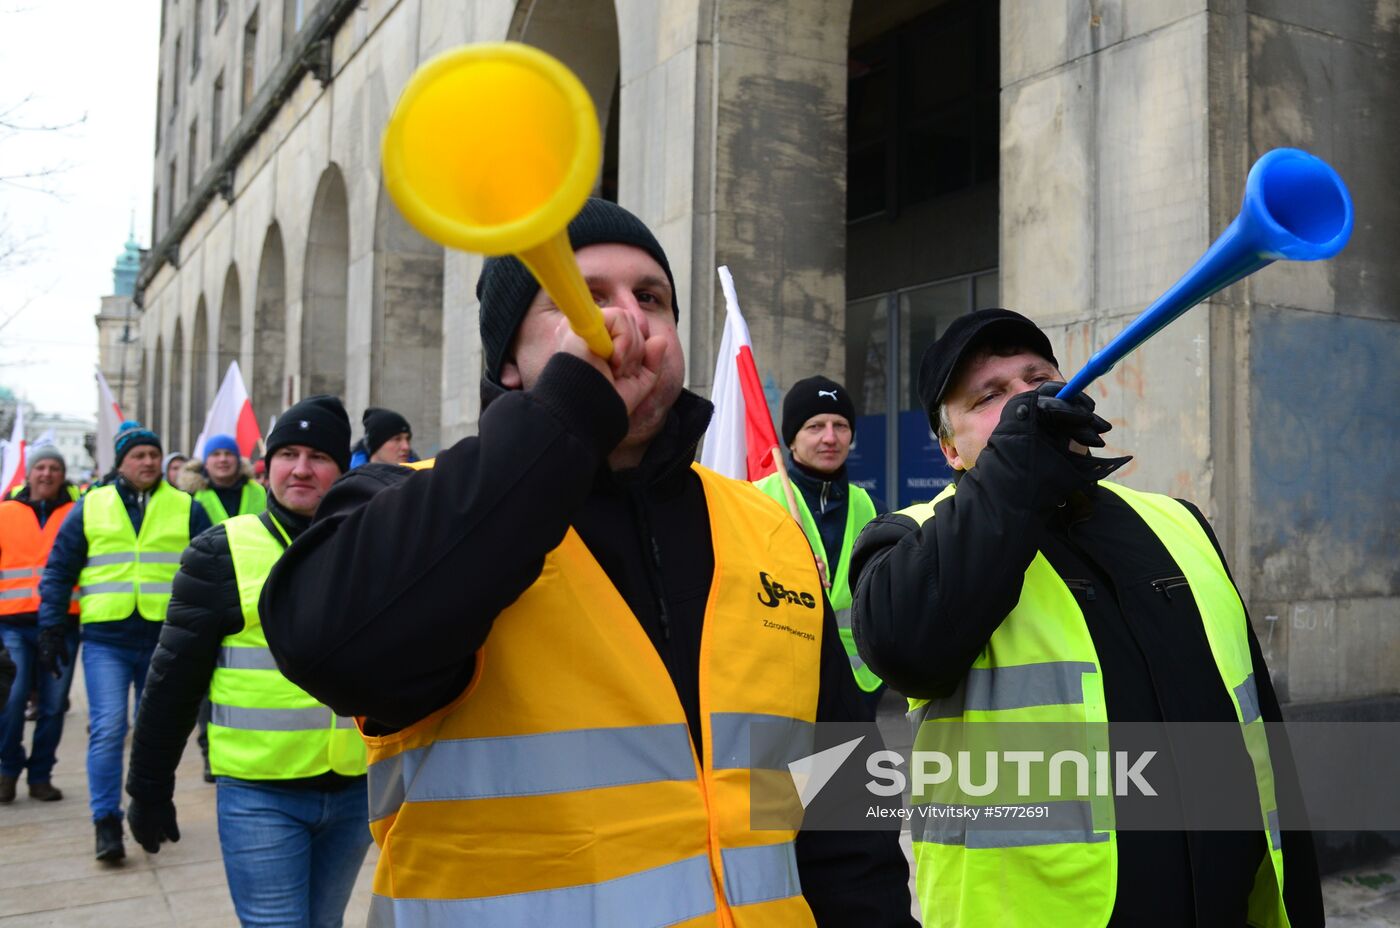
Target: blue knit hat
{"points": [[130, 434], [221, 443]]}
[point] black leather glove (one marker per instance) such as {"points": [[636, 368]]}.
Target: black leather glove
{"points": [[152, 822], [1073, 418], [7, 675], [53, 649]]}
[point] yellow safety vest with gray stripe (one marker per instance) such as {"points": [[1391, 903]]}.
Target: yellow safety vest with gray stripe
{"points": [[126, 572], [1041, 666], [252, 499], [263, 726], [562, 787], [860, 510]]}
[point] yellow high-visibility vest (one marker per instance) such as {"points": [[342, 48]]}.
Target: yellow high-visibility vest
{"points": [[252, 499], [860, 510], [126, 572], [263, 726], [1040, 665], [562, 787]]}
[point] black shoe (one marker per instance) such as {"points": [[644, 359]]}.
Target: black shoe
{"points": [[109, 838], [7, 788], [45, 792]]}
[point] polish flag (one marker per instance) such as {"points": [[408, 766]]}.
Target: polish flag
{"points": [[741, 439], [109, 421], [231, 414], [12, 462]]}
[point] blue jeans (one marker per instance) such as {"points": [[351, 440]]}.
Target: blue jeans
{"points": [[112, 671], [291, 855], [22, 641]]}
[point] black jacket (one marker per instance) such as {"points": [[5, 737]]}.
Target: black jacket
{"points": [[204, 609], [928, 598], [827, 497], [380, 607]]}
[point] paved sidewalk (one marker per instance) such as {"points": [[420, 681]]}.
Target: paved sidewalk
{"points": [[48, 876]]}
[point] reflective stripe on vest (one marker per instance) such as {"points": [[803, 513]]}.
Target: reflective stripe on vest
{"points": [[587, 803], [262, 726], [860, 510], [125, 572], [252, 499], [24, 549], [1040, 665]]}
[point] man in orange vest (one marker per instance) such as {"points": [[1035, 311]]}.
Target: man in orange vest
{"points": [[28, 525], [559, 636]]}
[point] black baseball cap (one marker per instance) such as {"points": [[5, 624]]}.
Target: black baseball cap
{"points": [[984, 326]]}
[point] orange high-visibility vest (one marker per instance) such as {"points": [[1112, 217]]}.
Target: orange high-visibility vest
{"points": [[562, 787], [24, 549]]}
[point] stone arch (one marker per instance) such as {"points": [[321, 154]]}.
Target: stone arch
{"points": [[230, 324], [171, 429], [201, 359], [268, 358], [406, 335], [583, 34], [324, 288]]}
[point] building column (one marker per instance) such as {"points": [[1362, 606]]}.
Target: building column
{"points": [[733, 149]]}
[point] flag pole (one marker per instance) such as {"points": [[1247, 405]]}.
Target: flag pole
{"points": [[792, 509]]}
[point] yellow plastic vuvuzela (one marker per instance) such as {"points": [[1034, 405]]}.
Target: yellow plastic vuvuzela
{"points": [[494, 148]]}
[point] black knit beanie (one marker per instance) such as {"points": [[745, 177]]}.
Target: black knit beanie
{"points": [[812, 397], [318, 422], [382, 425], [506, 287]]}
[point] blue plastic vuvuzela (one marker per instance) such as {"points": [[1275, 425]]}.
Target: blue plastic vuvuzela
{"points": [[1296, 207]]}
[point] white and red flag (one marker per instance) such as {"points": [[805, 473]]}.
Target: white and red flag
{"points": [[109, 421], [231, 414], [12, 466], [741, 439]]}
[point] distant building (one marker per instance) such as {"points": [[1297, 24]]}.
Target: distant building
{"points": [[119, 329], [70, 433], [70, 436]]}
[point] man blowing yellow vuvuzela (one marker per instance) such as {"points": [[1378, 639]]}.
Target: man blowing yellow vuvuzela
{"points": [[555, 640]]}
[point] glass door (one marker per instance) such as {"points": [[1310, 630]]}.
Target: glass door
{"points": [[896, 454]]}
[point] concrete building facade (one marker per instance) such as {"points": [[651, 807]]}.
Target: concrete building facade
{"points": [[868, 169]]}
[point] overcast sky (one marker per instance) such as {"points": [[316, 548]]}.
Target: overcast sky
{"points": [[71, 59]]}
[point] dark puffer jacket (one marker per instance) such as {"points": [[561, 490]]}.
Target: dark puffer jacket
{"points": [[204, 609]]}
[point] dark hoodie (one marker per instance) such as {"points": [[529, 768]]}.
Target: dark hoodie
{"points": [[379, 609]]}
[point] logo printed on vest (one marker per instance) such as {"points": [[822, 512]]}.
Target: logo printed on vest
{"points": [[778, 593]]}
